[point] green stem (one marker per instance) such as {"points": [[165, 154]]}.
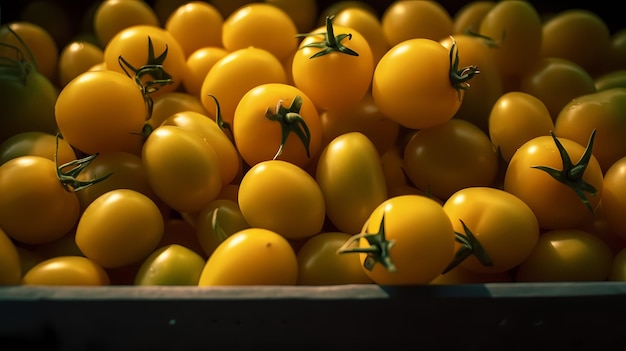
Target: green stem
{"points": [[572, 174], [459, 77], [331, 43], [290, 122], [377, 252], [69, 178], [469, 246], [224, 126]]}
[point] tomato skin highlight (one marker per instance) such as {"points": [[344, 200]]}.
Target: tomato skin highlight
{"points": [[67, 271]]}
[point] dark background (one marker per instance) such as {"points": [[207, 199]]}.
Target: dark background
{"points": [[10, 9]]}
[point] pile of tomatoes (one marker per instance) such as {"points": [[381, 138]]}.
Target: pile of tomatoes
{"points": [[206, 143]]}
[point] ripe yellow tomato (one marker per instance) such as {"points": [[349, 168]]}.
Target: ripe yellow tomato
{"points": [[31, 190], [170, 265], [261, 25], [235, 74], [577, 35], [350, 175], [613, 200], [282, 197], [101, 111], [303, 12], [194, 17], [217, 221], [319, 263], [333, 66], [516, 29], [434, 92], [182, 168], [448, 157], [277, 121], [77, 57], [168, 104], [403, 20], [122, 169], [67, 271], [201, 124], [36, 144], [252, 256], [119, 228], [602, 111], [558, 204], [506, 228], [515, 118], [366, 23], [469, 16], [112, 16], [10, 263], [566, 255], [199, 63], [411, 241], [366, 118], [556, 81]]}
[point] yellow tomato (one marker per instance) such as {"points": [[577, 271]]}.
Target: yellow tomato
{"points": [[67, 271], [10, 264], [192, 18], [252, 256]]}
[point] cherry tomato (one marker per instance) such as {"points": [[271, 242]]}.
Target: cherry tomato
{"points": [[319, 263], [282, 197], [37, 45], [217, 221], [365, 117], [199, 63], [67, 271], [516, 29], [416, 83], [27, 96], [171, 265], [407, 240], [515, 118], [123, 171], [469, 16], [506, 228], [194, 17], [36, 144], [451, 156], [277, 121], [168, 104], [10, 264], [182, 168], [577, 35], [302, 13], [566, 255], [333, 66], [366, 23], [77, 57], [261, 25], [231, 77], [201, 124], [112, 16], [252, 256], [30, 190], [613, 200], [119, 228], [403, 20], [602, 111], [558, 204], [101, 111], [612, 79], [556, 81], [350, 175]]}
